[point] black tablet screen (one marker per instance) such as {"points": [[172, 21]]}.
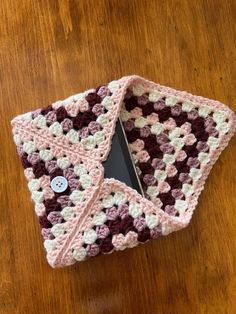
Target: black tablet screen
{"points": [[119, 164]]}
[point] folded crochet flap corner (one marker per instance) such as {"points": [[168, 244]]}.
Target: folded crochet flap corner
{"points": [[174, 138]]}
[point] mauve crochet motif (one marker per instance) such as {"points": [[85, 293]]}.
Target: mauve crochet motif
{"points": [[174, 138]]}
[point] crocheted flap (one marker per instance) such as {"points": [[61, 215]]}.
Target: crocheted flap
{"points": [[174, 138]]}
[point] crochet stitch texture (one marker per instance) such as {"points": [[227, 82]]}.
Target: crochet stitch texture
{"points": [[174, 137]]}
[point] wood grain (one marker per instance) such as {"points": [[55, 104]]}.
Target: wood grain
{"points": [[51, 49]]}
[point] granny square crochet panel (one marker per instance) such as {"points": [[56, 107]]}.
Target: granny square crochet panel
{"points": [[174, 138]]}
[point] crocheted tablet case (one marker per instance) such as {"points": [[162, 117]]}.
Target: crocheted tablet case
{"points": [[175, 138]]}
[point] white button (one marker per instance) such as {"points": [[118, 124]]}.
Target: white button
{"points": [[59, 184]]}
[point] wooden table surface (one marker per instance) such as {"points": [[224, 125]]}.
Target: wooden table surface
{"points": [[51, 49]]}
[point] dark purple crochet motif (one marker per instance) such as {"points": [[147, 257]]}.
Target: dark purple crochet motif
{"points": [[156, 145]]}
